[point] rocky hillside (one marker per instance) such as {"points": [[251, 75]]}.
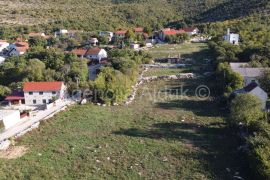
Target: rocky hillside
{"points": [[111, 14]]}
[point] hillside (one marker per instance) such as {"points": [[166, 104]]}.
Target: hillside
{"points": [[111, 14]]}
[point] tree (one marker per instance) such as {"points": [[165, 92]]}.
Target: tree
{"points": [[246, 109], [35, 70], [264, 81], [4, 91], [37, 41], [130, 35]]}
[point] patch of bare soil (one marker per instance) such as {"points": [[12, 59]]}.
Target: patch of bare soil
{"points": [[13, 152]]}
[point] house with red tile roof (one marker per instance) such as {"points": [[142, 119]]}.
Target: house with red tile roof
{"points": [[120, 34], [80, 52], [40, 93], [138, 30], [18, 48], [169, 32], [96, 54], [191, 30]]}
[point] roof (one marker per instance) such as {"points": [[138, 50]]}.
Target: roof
{"points": [[15, 95], [249, 72], [121, 32], [251, 86], [238, 65], [189, 29], [169, 31], [22, 49], [93, 51], [42, 86], [79, 52], [246, 89], [138, 30], [34, 34], [21, 44]]}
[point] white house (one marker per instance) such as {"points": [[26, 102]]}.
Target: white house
{"points": [[135, 46], [231, 37], [3, 45], [40, 93], [10, 117], [106, 34], [249, 74], [17, 49], [191, 31], [254, 89], [96, 54], [93, 41]]}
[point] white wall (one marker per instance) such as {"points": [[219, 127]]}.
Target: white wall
{"points": [[11, 118], [45, 96]]}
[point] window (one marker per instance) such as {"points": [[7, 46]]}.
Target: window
{"points": [[34, 101], [40, 93], [54, 93], [44, 101], [30, 93]]}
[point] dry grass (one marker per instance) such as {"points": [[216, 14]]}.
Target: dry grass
{"points": [[13, 152]]}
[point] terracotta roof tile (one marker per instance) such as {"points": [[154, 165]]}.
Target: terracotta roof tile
{"points": [[42, 86], [93, 51], [79, 52]]}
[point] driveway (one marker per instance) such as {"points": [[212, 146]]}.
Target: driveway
{"points": [[40, 115]]}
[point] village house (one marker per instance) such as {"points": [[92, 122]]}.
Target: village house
{"points": [[15, 98], [138, 30], [93, 41], [169, 32], [40, 93], [33, 34], [96, 54], [231, 37], [70, 33], [135, 46], [249, 74], [107, 34], [191, 30], [17, 49], [80, 53], [120, 34], [254, 89], [3, 45]]}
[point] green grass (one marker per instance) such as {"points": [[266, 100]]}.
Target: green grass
{"points": [[196, 51], [161, 135], [144, 140]]}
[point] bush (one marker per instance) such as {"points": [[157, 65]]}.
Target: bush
{"points": [[246, 109]]}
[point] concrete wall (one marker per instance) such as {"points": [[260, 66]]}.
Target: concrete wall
{"points": [[11, 118]]}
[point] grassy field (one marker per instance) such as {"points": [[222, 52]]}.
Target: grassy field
{"points": [[160, 136], [195, 51], [166, 133]]}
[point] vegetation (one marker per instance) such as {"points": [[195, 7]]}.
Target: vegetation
{"points": [[144, 140], [246, 109]]}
